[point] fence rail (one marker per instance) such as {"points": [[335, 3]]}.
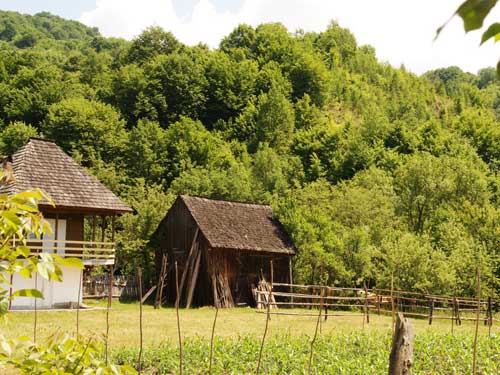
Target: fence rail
{"points": [[380, 301]]}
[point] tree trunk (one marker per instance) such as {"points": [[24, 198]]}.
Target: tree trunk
{"points": [[401, 358]]}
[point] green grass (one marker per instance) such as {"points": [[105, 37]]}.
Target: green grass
{"points": [[345, 346], [362, 352]]}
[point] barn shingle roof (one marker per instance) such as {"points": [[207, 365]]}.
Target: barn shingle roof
{"points": [[240, 226], [42, 164]]}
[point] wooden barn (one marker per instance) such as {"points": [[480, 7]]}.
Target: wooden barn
{"points": [[223, 249]]}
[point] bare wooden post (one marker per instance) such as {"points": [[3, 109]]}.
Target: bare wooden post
{"points": [[431, 310], [318, 322], [10, 289], [78, 306], [393, 311], [212, 340], [139, 364], [272, 279], [268, 316], [478, 310], [401, 358], [110, 290], [177, 313], [36, 315]]}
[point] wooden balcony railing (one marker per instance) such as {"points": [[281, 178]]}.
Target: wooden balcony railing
{"points": [[90, 252]]}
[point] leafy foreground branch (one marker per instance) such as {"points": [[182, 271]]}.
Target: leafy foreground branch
{"points": [[340, 353], [19, 219], [61, 354]]}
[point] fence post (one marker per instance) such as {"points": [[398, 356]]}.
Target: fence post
{"points": [[490, 315], [401, 358], [367, 311], [378, 297], [177, 299], [139, 361], [326, 303], [474, 348], [393, 312], [453, 303], [431, 310]]}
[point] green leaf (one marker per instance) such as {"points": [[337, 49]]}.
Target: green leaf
{"points": [[42, 269], [27, 195], [25, 272], [6, 347], [11, 218], [23, 251], [473, 13], [28, 293], [70, 262], [492, 32]]}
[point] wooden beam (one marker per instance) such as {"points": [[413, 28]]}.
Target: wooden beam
{"points": [[188, 261], [161, 281], [194, 278]]}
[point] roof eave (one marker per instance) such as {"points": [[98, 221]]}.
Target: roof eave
{"points": [[85, 210], [256, 251]]}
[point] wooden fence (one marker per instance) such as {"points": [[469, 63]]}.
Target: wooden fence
{"points": [[335, 301], [97, 286]]}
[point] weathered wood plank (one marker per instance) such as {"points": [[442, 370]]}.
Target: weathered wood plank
{"points": [[401, 358]]}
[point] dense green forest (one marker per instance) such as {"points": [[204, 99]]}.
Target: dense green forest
{"points": [[373, 170]]}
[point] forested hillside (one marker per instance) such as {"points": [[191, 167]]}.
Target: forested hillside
{"points": [[373, 170]]}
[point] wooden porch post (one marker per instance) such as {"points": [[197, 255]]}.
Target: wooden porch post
{"points": [[113, 227], [94, 223], [56, 234], [103, 227], [111, 280], [291, 278]]}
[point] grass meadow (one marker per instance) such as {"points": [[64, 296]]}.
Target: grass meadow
{"points": [[346, 345]]}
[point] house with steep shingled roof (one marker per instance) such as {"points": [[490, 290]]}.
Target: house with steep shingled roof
{"points": [[78, 198], [222, 249]]}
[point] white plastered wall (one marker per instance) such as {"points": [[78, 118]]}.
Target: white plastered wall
{"points": [[56, 294]]}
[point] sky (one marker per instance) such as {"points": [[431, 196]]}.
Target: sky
{"points": [[402, 31]]}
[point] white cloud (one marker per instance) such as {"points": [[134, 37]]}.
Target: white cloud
{"points": [[402, 31]]}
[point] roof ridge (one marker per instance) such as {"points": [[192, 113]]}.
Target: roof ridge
{"points": [[42, 139], [225, 201]]}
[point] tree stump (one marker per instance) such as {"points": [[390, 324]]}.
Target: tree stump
{"points": [[401, 358]]}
